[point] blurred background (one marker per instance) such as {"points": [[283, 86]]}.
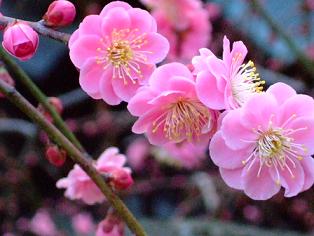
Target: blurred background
{"points": [[175, 193]]}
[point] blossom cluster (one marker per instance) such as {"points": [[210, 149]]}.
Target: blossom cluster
{"points": [[260, 140]]}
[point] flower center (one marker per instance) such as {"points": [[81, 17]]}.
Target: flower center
{"points": [[245, 83], [183, 119], [123, 51], [275, 148]]}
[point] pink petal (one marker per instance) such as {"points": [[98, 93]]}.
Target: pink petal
{"points": [[235, 134], [260, 187], [106, 90], [157, 138], [90, 76], [292, 184], [156, 48], [299, 105], [259, 110], [232, 177], [116, 19], [238, 53], [123, 90], [179, 83], [73, 38], [225, 157], [159, 78], [138, 105], [91, 25], [226, 49], [306, 136], [143, 123], [83, 49], [142, 20], [281, 92], [207, 91], [112, 5], [308, 168]]}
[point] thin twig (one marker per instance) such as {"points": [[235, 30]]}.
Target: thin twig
{"points": [[19, 101], [304, 60], [39, 27], [19, 74]]}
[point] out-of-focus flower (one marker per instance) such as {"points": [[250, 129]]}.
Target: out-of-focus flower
{"points": [[267, 144], [20, 40], [83, 224], [116, 51], [186, 25], [227, 83], [185, 154], [111, 226], [169, 110], [55, 155], [6, 77], [42, 224], [78, 184], [214, 10], [137, 152], [60, 13], [56, 103], [252, 213]]}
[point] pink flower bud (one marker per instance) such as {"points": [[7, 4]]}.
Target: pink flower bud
{"points": [[60, 13], [20, 40], [55, 155], [121, 179]]}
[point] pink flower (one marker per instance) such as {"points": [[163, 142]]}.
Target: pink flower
{"points": [[83, 223], [137, 152], [110, 227], [226, 83], [20, 40], [116, 51], [60, 13], [78, 184], [267, 144], [185, 23], [42, 224], [169, 110], [185, 154]]}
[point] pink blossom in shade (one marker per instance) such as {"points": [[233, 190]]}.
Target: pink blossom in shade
{"points": [[187, 35], [78, 184], [42, 224], [83, 224], [267, 144], [169, 110], [226, 83], [20, 40], [116, 51], [185, 154], [137, 152], [106, 228]]}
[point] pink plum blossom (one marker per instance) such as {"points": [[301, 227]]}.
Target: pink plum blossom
{"points": [[60, 13], [169, 110], [185, 154], [83, 224], [226, 83], [267, 144], [137, 152], [42, 223], [110, 226], [185, 23], [78, 184], [20, 40], [116, 51]]}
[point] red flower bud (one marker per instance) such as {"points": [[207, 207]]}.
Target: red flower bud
{"points": [[20, 40], [60, 13], [55, 155], [121, 179]]}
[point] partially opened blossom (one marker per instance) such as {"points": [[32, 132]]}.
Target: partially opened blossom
{"points": [[185, 154], [226, 83], [169, 110], [267, 144], [185, 23], [116, 51], [20, 40], [78, 184]]}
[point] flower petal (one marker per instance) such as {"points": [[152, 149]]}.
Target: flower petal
{"points": [[281, 92], [106, 90], [142, 20], [112, 5], [232, 177]]}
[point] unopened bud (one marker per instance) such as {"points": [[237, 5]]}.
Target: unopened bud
{"points": [[60, 13], [55, 155], [20, 40], [121, 179]]}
